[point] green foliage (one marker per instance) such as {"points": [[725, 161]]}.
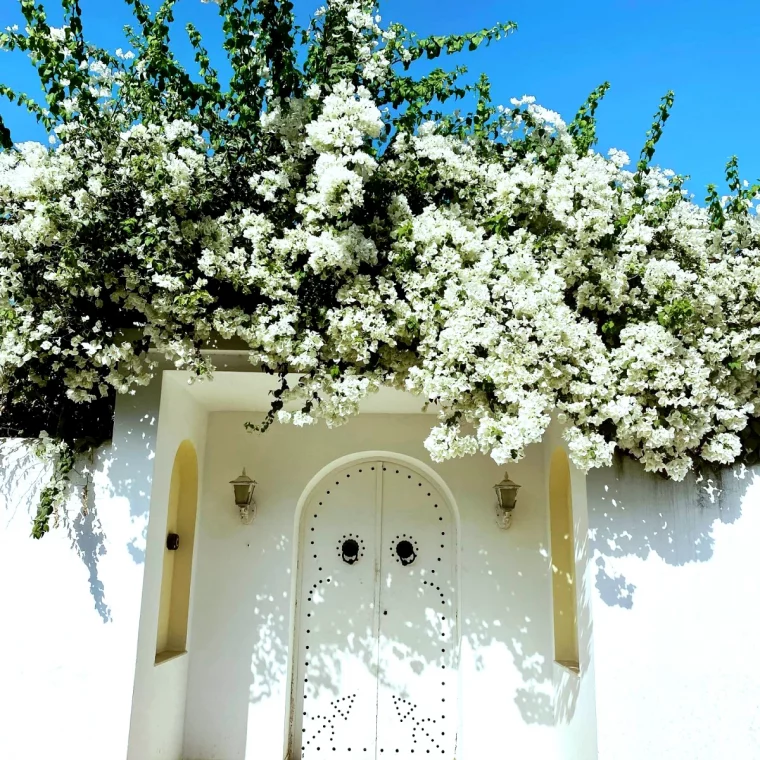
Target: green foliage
{"points": [[261, 42], [184, 175], [676, 315], [6, 143], [653, 137], [53, 493], [738, 203], [583, 127], [437, 45]]}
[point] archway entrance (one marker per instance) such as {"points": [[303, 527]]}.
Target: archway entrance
{"points": [[376, 645]]}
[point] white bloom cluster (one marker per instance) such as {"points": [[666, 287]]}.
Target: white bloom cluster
{"points": [[502, 283]]}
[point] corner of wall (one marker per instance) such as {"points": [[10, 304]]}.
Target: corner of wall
{"points": [[82, 580], [158, 703], [575, 694]]}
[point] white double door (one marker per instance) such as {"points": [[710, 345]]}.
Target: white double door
{"points": [[377, 618]]}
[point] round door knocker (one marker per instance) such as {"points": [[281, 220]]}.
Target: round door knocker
{"points": [[406, 552], [350, 548], [350, 551]]}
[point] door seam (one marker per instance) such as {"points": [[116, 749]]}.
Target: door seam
{"points": [[378, 589]]}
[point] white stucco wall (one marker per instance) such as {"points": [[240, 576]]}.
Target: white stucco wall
{"points": [[667, 611], [676, 600], [238, 668], [575, 695], [70, 602], [158, 708]]}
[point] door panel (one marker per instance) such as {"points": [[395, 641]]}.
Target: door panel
{"points": [[337, 673], [377, 637], [417, 641]]}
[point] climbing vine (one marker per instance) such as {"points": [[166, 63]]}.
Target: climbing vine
{"points": [[331, 210]]}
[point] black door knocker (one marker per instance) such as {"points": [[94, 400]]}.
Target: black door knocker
{"points": [[405, 552], [350, 551]]}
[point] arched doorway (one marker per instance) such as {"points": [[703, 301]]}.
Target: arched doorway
{"points": [[375, 656]]}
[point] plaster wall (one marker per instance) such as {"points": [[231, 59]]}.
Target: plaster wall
{"points": [[241, 625], [676, 617], [158, 708], [71, 601], [574, 695], [670, 584]]}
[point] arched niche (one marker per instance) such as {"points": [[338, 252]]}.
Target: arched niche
{"points": [[178, 563], [564, 596]]}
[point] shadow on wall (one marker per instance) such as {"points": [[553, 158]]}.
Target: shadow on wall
{"points": [[129, 475], [23, 476], [567, 691], [505, 622], [634, 513], [85, 531], [490, 626], [95, 483]]}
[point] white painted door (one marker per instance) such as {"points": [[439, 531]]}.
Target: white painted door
{"points": [[417, 637], [335, 714], [376, 659]]}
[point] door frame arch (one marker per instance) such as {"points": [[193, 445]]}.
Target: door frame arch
{"points": [[358, 457]]}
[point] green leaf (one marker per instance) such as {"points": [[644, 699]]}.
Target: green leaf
{"points": [[6, 143]]}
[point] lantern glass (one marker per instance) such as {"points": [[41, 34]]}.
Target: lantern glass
{"points": [[244, 487], [506, 492]]}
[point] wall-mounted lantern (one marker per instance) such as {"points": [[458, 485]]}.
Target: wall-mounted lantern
{"points": [[244, 488], [506, 499]]}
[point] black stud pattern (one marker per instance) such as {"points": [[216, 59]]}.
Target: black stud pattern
{"points": [[322, 730], [426, 734], [319, 731], [425, 731]]}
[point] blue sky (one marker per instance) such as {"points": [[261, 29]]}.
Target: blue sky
{"points": [[702, 49]]}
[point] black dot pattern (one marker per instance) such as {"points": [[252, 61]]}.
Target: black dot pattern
{"points": [[425, 731], [418, 710], [333, 547], [412, 582]]}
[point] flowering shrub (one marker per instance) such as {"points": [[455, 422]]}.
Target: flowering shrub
{"points": [[337, 220]]}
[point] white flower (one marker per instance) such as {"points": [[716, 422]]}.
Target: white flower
{"points": [[502, 284], [348, 119]]}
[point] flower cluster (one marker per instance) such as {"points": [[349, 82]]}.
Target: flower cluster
{"points": [[494, 265]]}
